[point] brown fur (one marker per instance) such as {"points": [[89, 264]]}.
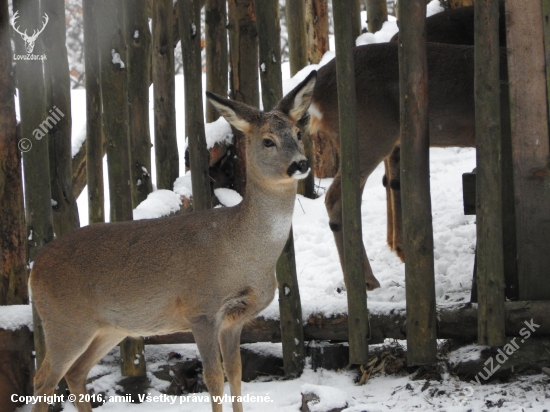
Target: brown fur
{"points": [[451, 111], [208, 271]]}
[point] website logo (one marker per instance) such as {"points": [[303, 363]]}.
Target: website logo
{"points": [[29, 40]]}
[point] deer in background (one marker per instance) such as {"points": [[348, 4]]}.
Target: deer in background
{"points": [[208, 272], [454, 26], [451, 112]]}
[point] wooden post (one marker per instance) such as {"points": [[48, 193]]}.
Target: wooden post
{"points": [[377, 14], [216, 52], [351, 198], [189, 14], [490, 268], [112, 43], [58, 83], [415, 185], [316, 29], [164, 88], [297, 40], [355, 20], [243, 58], [290, 307], [530, 145], [138, 57], [18, 366], [94, 125]]}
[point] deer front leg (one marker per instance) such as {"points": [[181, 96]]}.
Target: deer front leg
{"points": [[333, 203], [230, 343], [206, 336], [394, 185]]}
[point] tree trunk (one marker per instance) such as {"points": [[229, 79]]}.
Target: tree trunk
{"points": [[189, 19], [415, 185], [316, 29], [351, 194], [531, 145], [138, 68], [94, 144], [112, 39], [34, 127], [166, 145], [216, 52], [243, 57], [297, 39], [58, 82], [490, 269], [377, 14]]}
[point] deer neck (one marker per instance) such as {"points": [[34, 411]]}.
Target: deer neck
{"points": [[268, 209]]}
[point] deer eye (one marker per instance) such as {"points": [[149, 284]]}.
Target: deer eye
{"points": [[269, 143], [299, 135]]}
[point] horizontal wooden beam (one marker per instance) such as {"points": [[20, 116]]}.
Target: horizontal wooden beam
{"points": [[453, 322]]}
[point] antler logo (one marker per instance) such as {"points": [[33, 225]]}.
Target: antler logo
{"points": [[29, 40]]}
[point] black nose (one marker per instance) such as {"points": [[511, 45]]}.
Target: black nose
{"points": [[302, 166]]}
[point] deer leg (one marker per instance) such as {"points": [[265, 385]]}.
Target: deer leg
{"points": [[206, 336], [389, 202], [62, 349], [393, 162], [77, 373], [333, 203], [230, 343]]}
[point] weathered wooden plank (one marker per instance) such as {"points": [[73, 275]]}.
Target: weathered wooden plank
{"points": [[351, 195], [490, 268], [530, 145], [415, 185]]}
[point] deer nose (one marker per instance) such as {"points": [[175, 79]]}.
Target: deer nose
{"points": [[298, 169]]}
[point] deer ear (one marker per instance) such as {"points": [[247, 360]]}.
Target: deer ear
{"points": [[296, 103], [238, 114]]}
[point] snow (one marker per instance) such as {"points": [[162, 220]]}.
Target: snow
{"points": [[14, 317], [158, 203], [329, 397], [182, 185], [116, 59], [228, 197], [218, 131]]}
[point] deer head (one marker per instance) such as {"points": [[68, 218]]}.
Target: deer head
{"points": [[29, 40]]}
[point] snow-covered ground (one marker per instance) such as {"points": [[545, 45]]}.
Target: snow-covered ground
{"points": [[322, 289]]}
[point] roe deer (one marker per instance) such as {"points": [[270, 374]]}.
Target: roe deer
{"points": [[451, 112], [208, 272], [453, 26]]}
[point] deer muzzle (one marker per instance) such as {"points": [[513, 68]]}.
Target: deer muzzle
{"points": [[299, 170]]}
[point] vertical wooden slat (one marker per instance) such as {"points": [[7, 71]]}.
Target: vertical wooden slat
{"points": [[58, 83], [290, 307], [243, 60], [297, 40], [377, 14], [415, 185], [355, 11], [216, 52], [190, 32], [530, 145], [351, 199], [94, 124], [316, 29], [164, 89], [139, 69], [490, 268]]}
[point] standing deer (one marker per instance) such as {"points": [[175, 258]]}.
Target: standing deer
{"points": [[29, 40], [208, 272], [451, 112], [453, 26]]}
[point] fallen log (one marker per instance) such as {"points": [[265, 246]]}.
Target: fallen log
{"points": [[453, 322]]}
